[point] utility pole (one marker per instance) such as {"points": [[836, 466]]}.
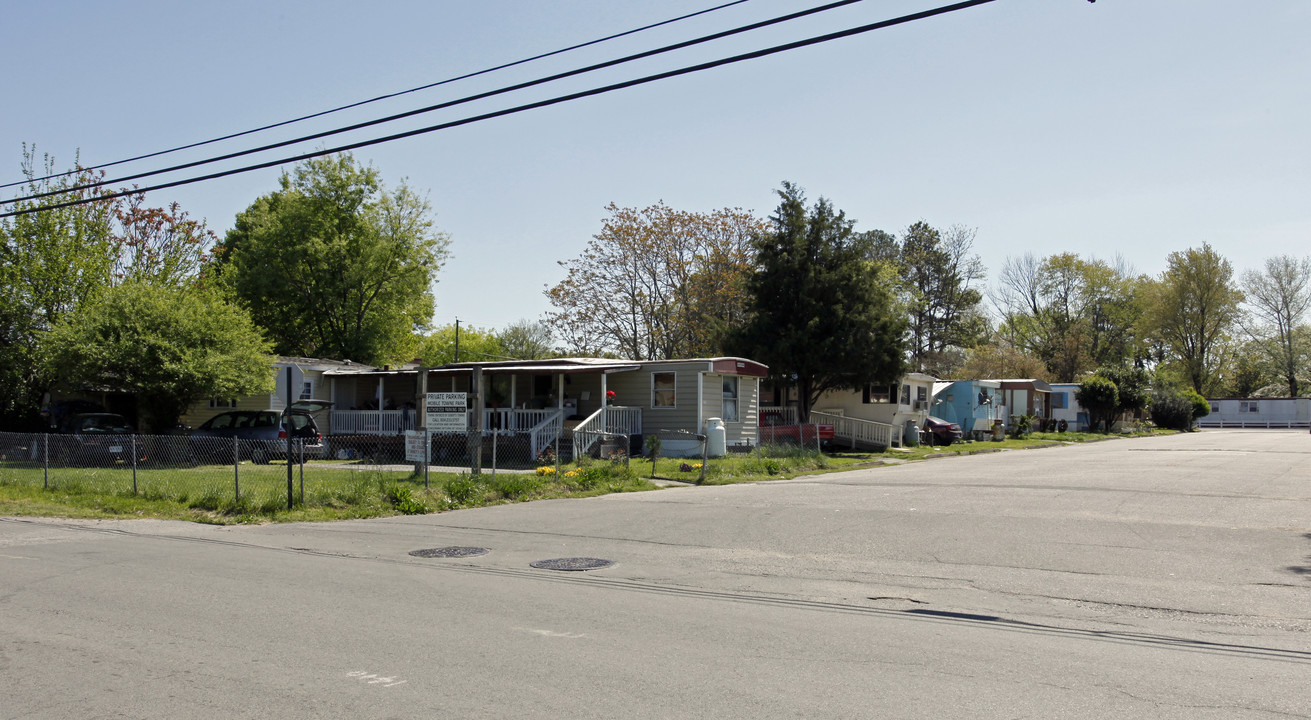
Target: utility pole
{"points": [[457, 339]]}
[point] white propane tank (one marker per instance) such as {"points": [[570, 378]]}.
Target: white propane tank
{"points": [[716, 438]]}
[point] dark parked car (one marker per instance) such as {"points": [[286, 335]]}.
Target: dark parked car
{"points": [[261, 437], [97, 438], [942, 432]]}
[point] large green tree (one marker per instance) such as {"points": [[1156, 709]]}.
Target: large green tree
{"points": [[53, 259], [822, 313], [50, 261], [463, 343], [170, 346], [1192, 309], [334, 264]]}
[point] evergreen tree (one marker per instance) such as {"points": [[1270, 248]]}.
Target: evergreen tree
{"points": [[823, 314]]}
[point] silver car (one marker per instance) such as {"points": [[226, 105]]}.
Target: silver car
{"points": [[260, 435]]}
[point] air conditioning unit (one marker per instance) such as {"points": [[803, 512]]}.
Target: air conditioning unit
{"points": [[921, 404]]}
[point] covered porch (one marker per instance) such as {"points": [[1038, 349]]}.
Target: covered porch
{"points": [[537, 400]]}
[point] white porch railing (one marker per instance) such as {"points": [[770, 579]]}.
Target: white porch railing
{"points": [[515, 419], [603, 422], [778, 415], [855, 430], [394, 422], [545, 431], [369, 422]]}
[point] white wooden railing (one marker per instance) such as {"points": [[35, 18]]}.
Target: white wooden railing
{"points": [[603, 422], [369, 422], [394, 422], [855, 430], [516, 420], [545, 431], [778, 415]]}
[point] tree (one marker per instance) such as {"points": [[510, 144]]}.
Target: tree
{"points": [[1000, 360], [334, 265], [655, 283], [161, 246], [1192, 308], [1100, 397], [1133, 387], [1279, 297], [172, 347], [823, 315], [1073, 313], [50, 261], [1249, 372], [447, 344], [938, 270], [54, 259], [526, 340]]}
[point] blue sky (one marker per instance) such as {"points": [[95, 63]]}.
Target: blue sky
{"points": [[1126, 127]]}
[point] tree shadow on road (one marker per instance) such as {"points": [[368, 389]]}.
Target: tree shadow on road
{"points": [[1304, 569]]}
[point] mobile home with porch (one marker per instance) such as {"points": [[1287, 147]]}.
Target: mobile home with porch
{"points": [[536, 400]]}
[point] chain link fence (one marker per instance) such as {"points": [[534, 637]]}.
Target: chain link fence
{"points": [[187, 467], [213, 470]]}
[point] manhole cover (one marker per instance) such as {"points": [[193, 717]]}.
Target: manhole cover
{"points": [[577, 563], [449, 552]]}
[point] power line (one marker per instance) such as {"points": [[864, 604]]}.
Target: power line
{"points": [[535, 105], [443, 105], [388, 96]]}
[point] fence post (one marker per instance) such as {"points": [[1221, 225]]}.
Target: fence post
{"points": [[427, 452], [236, 470], [45, 460], [302, 471], [705, 458], [134, 464], [285, 423]]}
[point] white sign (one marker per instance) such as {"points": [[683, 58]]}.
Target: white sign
{"points": [[416, 446], [448, 401], [446, 412]]}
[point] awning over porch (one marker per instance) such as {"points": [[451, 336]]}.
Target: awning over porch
{"points": [[556, 366]]}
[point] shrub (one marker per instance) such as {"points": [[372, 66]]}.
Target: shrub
{"points": [[1201, 407], [1172, 408]]}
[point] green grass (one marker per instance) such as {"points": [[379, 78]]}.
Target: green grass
{"points": [[210, 494]]}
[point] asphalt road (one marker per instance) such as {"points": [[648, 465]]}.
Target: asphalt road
{"points": [[1145, 578]]}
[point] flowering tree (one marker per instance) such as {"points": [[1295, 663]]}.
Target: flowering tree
{"points": [[656, 283]]}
